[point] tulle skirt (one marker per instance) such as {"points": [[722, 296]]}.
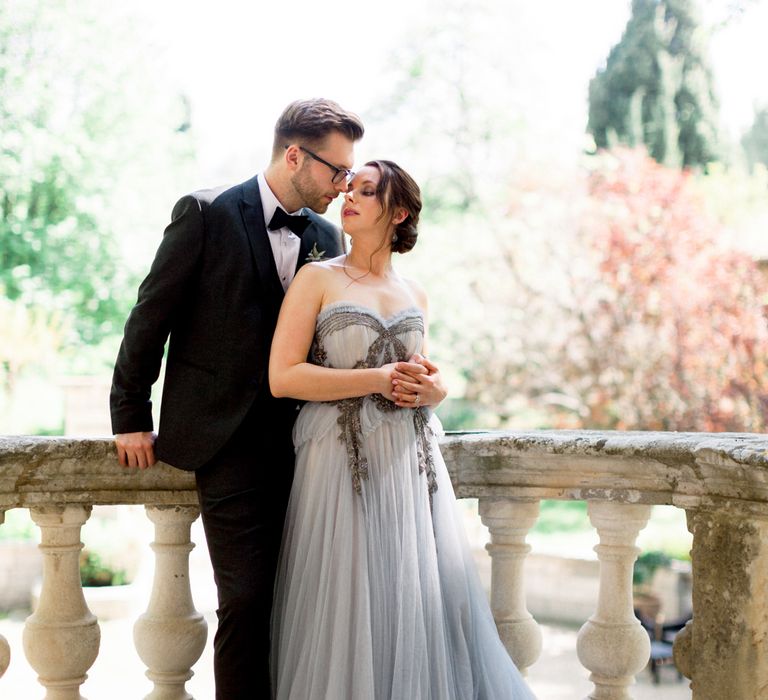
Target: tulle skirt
{"points": [[377, 597]]}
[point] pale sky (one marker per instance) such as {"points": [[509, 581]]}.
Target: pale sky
{"points": [[242, 62]]}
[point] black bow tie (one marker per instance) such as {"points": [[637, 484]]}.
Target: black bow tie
{"points": [[296, 223]]}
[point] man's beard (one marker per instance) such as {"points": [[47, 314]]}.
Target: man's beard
{"points": [[312, 196]]}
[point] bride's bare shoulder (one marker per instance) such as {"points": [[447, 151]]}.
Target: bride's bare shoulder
{"points": [[318, 268], [324, 266], [417, 291], [318, 278], [336, 263]]}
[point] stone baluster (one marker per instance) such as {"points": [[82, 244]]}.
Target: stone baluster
{"points": [[5, 655], [61, 638], [726, 641], [612, 644], [682, 648], [5, 650], [509, 522], [170, 636]]}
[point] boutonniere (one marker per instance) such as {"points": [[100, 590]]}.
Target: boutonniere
{"points": [[315, 255]]}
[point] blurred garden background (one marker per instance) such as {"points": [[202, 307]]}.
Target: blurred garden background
{"points": [[595, 177]]}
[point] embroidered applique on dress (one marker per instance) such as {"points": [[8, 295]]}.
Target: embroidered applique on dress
{"points": [[386, 348], [376, 594]]}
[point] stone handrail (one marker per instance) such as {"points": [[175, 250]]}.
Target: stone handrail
{"points": [[36, 471], [688, 470], [724, 470], [721, 480]]}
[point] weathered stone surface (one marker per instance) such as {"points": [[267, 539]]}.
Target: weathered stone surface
{"points": [[721, 479], [726, 470], [5, 655], [728, 655], [40, 470]]}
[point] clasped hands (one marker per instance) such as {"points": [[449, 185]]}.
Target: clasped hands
{"points": [[416, 382]]}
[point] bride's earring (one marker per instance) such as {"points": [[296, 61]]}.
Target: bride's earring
{"points": [[394, 238]]}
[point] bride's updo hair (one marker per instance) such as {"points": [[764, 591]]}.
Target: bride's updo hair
{"points": [[398, 190]]}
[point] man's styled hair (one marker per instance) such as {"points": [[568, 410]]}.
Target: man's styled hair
{"points": [[310, 121]]}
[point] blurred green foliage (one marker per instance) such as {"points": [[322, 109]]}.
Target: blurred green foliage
{"points": [[18, 525], [79, 112], [92, 137], [88, 129], [94, 572], [657, 87], [565, 526], [456, 414], [562, 516], [646, 565]]}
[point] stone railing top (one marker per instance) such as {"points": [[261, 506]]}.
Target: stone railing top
{"points": [[689, 470], [55, 470]]}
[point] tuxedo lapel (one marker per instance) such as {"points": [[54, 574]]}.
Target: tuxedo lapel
{"points": [[308, 241], [258, 238]]}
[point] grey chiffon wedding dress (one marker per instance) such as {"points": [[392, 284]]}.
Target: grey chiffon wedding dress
{"points": [[377, 597]]}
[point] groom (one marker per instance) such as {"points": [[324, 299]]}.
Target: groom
{"points": [[216, 286]]}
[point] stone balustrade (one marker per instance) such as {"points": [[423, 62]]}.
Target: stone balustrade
{"points": [[721, 480]]}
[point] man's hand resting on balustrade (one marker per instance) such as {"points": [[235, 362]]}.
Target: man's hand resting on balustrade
{"points": [[136, 449], [417, 382]]}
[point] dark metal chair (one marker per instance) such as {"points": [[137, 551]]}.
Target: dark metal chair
{"points": [[662, 636]]}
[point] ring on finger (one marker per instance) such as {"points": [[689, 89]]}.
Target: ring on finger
{"points": [[417, 398]]}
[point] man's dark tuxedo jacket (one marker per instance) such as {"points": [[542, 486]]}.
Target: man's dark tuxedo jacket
{"points": [[214, 288]]}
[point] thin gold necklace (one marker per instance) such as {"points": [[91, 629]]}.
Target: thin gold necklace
{"points": [[344, 267]]}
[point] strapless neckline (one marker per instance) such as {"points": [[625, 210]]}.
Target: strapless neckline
{"points": [[385, 321]]}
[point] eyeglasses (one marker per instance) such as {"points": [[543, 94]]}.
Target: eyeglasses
{"points": [[339, 174]]}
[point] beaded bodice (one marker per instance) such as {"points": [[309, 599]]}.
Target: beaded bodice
{"points": [[366, 338], [353, 336]]}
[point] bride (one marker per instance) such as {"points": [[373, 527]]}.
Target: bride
{"points": [[376, 595]]}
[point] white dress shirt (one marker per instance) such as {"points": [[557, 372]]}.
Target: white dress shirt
{"points": [[285, 243]]}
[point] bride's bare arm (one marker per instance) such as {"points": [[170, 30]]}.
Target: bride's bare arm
{"points": [[418, 377], [289, 372]]}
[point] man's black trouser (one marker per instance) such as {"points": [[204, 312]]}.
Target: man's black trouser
{"points": [[243, 495]]}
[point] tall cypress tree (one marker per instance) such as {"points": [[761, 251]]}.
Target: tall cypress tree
{"points": [[657, 87]]}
